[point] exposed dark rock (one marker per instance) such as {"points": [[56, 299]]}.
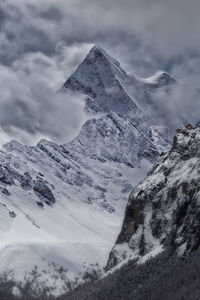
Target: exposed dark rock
{"points": [[43, 192], [26, 181], [4, 191], [40, 204], [164, 209], [5, 176], [12, 214]]}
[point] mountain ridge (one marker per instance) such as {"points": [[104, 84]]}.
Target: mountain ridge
{"points": [[63, 204]]}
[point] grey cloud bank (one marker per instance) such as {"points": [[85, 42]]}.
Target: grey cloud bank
{"points": [[31, 107], [154, 32], [43, 41]]}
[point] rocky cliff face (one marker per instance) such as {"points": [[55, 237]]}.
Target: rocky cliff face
{"points": [[164, 210]]}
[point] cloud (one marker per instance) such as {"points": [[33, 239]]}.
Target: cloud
{"points": [[174, 106], [30, 104], [42, 42], [147, 35]]}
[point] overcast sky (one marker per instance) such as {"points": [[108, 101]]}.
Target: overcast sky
{"points": [[42, 42]]}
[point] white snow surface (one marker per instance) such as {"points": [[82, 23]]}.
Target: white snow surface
{"points": [[83, 223], [63, 205]]}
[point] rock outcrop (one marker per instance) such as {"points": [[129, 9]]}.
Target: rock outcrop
{"points": [[164, 210]]}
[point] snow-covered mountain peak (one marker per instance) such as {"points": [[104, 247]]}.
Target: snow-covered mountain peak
{"points": [[107, 87], [98, 53], [13, 145], [160, 78], [100, 78]]}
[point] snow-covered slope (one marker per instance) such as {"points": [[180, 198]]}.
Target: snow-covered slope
{"points": [[62, 205], [163, 210]]}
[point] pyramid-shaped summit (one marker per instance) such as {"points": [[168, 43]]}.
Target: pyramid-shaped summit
{"points": [[101, 78], [97, 63], [109, 88], [98, 52]]}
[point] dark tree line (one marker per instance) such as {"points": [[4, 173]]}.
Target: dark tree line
{"points": [[164, 277]]}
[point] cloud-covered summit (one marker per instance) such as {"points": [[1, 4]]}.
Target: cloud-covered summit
{"points": [[42, 42], [147, 35]]}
